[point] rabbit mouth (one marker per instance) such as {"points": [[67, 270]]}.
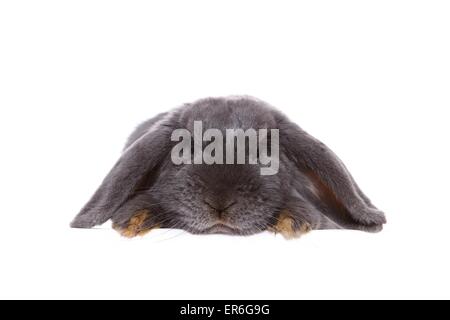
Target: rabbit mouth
{"points": [[221, 228], [225, 229]]}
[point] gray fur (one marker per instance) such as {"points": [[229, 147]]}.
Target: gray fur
{"points": [[191, 197]]}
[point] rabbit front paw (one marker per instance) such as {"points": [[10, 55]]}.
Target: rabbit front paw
{"points": [[290, 227], [136, 225]]}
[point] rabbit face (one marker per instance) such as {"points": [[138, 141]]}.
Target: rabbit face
{"points": [[229, 199]]}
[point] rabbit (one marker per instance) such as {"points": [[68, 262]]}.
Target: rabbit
{"points": [[311, 190]]}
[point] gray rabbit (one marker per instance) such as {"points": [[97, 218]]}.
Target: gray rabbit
{"points": [[312, 189]]}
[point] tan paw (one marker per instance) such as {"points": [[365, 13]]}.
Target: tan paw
{"points": [[289, 228], [135, 225]]}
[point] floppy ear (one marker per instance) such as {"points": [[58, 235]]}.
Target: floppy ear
{"points": [[137, 162], [333, 182]]}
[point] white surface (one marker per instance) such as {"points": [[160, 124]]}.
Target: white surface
{"points": [[369, 78]]}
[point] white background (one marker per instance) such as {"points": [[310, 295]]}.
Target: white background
{"points": [[369, 78]]}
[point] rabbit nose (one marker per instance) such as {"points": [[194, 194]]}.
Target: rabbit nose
{"points": [[218, 207], [215, 206]]}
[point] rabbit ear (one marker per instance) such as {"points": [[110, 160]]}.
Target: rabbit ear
{"points": [[335, 185], [136, 163]]}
